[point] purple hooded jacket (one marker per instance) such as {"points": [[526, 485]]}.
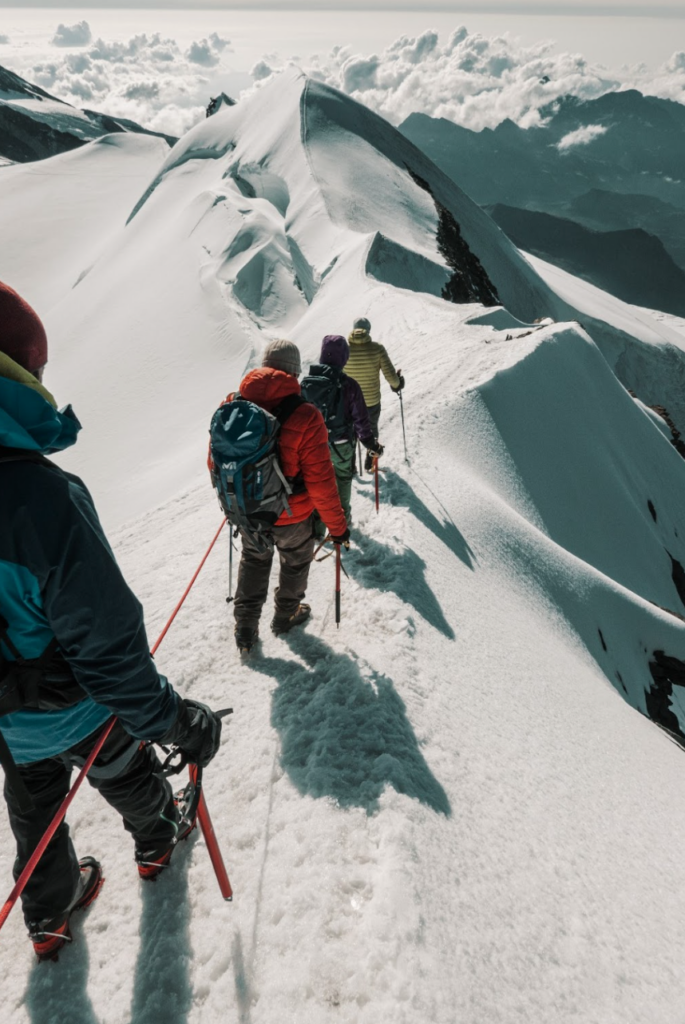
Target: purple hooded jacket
{"points": [[335, 351]]}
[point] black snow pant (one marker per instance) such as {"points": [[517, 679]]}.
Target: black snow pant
{"points": [[374, 412], [295, 545], [140, 797]]}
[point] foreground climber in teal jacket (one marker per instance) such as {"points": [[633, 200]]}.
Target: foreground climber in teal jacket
{"points": [[69, 623]]}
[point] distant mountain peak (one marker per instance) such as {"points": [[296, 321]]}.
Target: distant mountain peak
{"points": [[35, 125]]}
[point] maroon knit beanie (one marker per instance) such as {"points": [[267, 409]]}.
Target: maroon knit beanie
{"points": [[22, 335]]}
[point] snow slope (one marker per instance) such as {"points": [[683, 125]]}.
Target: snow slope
{"points": [[450, 808], [56, 215]]}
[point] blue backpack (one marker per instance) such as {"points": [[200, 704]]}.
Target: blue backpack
{"points": [[252, 489]]}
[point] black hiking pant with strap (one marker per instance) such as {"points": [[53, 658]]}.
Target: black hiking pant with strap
{"points": [[295, 546], [143, 799]]}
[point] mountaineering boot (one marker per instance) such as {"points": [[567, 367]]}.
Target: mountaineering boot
{"points": [[245, 638], [48, 936], [152, 862], [281, 624]]}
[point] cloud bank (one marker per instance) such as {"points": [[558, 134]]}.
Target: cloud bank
{"points": [[72, 35], [581, 137], [474, 80], [147, 78]]}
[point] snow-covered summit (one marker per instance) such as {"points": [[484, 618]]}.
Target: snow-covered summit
{"points": [[339, 175]]}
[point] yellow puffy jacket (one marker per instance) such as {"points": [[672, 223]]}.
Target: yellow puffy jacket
{"points": [[367, 359]]}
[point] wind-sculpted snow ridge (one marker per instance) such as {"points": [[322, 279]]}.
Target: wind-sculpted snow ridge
{"points": [[607, 490]]}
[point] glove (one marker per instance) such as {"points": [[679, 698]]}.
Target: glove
{"points": [[196, 732], [375, 449], [343, 539], [400, 386]]}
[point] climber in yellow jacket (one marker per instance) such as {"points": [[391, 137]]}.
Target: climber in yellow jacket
{"points": [[367, 359]]}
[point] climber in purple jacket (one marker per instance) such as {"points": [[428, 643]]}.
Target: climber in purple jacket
{"points": [[342, 405]]}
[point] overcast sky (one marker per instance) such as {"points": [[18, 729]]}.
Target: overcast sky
{"points": [[663, 8]]}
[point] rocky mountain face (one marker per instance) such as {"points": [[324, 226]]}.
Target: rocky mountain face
{"points": [[35, 125], [610, 164], [630, 263], [624, 142]]}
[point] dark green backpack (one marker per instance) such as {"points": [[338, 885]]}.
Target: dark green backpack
{"points": [[324, 387]]}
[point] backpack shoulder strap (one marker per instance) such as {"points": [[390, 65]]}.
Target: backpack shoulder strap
{"points": [[287, 407]]}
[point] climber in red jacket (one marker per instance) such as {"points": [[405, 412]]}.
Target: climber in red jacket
{"points": [[305, 459]]}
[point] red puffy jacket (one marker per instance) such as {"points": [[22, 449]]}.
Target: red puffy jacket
{"points": [[302, 449]]}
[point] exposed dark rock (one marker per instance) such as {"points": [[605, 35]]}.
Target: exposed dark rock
{"points": [[123, 124], [652, 510], [662, 411], [602, 640], [675, 433], [23, 138], [666, 673], [669, 611], [469, 281], [217, 102], [678, 576]]}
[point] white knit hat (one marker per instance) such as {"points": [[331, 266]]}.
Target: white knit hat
{"points": [[284, 355]]}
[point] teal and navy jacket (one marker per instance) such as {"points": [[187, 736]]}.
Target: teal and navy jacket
{"points": [[59, 579]]}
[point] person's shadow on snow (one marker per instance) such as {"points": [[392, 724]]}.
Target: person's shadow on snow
{"points": [[394, 490], [162, 990], [343, 734], [376, 565], [58, 993]]}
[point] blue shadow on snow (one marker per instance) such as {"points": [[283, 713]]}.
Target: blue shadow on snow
{"points": [[403, 573], [161, 989], [59, 992], [394, 490], [343, 736]]}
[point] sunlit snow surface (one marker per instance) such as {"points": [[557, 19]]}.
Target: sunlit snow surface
{"points": [[441, 811]]}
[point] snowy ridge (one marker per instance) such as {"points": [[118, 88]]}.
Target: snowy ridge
{"points": [[440, 811]]}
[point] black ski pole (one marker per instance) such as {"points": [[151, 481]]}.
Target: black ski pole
{"points": [[230, 565], [404, 436], [337, 585]]}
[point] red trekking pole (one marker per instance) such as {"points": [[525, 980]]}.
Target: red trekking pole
{"points": [[206, 824], [337, 585], [211, 840], [375, 473]]}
